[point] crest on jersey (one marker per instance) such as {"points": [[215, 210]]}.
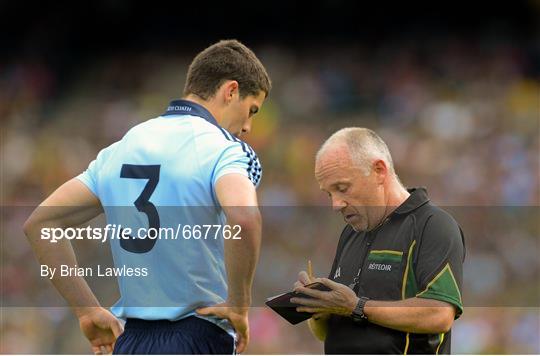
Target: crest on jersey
{"points": [[338, 273]]}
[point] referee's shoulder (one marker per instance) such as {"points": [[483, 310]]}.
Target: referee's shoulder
{"points": [[439, 215], [440, 224]]}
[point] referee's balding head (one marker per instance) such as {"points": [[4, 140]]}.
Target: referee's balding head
{"points": [[355, 168]]}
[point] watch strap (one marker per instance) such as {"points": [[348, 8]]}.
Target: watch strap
{"points": [[358, 312]]}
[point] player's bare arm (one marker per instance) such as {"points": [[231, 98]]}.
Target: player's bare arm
{"points": [[71, 205], [236, 194]]}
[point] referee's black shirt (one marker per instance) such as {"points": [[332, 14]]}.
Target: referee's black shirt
{"points": [[418, 251]]}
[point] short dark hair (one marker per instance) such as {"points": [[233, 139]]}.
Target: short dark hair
{"points": [[226, 60]]}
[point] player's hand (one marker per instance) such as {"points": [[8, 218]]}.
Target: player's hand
{"points": [[101, 328], [303, 279], [237, 316], [339, 300]]}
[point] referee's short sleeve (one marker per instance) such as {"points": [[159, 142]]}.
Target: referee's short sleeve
{"points": [[238, 157], [439, 266]]}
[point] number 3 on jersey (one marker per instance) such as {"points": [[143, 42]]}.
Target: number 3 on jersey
{"points": [[143, 204]]}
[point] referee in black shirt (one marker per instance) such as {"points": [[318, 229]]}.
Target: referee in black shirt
{"points": [[396, 277]]}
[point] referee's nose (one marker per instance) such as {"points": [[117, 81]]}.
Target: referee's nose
{"points": [[338, 204]]}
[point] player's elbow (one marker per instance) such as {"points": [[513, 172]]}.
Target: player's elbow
{"points": [[33, 225], [29, 226], [248, 218]]}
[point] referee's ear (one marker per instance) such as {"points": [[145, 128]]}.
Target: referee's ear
{"points": [[380, 169]]}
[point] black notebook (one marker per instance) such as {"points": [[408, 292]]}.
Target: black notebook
{"points": [[282, 305]]}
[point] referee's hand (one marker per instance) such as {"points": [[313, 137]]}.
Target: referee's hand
{"points": [[303, 279], [101, 328], [238, 317]]}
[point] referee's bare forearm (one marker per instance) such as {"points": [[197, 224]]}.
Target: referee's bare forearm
{"points": [[416, 315]]}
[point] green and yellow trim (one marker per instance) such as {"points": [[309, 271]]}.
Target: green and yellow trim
{"points": [[406, 344], [409, 281], [441, 339], [444, 287], [388, 252], [385, 256]]}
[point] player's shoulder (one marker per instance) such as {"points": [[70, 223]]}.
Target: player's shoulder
{"points": [[105, 152], [218, 137], [141, 129], [203, 128]]}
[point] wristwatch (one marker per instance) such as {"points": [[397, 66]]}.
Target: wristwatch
{"points": [[358, 312]]}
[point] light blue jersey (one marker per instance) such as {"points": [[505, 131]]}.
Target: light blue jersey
{"points": [[162, 174]]}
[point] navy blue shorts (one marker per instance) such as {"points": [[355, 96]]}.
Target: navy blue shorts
{"points": [[191, 335]]}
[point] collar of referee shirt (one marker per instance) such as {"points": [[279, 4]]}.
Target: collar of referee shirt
{"points": [[417, 198], [186, 107]]}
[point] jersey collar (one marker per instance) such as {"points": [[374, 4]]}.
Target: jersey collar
{"points": [[417, 198], [186, 107]]}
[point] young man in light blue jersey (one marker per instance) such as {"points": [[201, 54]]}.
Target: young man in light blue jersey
{"points": [[187, 168]]}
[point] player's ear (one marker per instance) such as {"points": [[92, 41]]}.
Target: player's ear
{"points": [[231, 90]]}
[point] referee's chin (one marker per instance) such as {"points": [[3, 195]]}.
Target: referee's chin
{"points": [[357, 228], [357, 224]]}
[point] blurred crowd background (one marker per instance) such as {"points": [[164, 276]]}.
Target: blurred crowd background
{"points": [[455, 94]]}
